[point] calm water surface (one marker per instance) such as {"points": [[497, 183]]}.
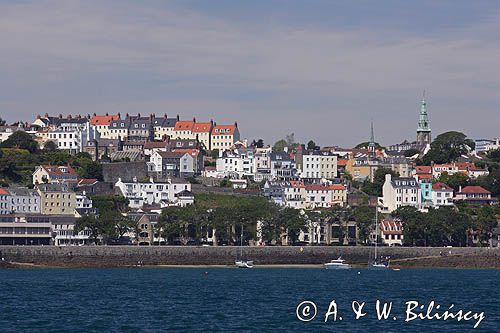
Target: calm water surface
{"points": [[236, 300]]}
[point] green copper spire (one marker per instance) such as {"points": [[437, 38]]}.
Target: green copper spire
{"points": [[423, 122], [424, 128]]}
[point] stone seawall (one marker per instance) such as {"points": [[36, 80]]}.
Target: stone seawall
{"points": [[116, 256]]}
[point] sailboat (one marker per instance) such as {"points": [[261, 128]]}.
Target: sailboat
{"points": [[376, 264], [240, 263]]}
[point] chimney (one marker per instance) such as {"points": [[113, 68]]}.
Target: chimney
{"points": [[69, 116], [126, 115], [46, 115], [165, 116], [211, 122], [194, 119], [95, 114], [60, 115], [236, 124], [107, 114], [178, 118], [388, 177], [38, 116], [138, 115]]}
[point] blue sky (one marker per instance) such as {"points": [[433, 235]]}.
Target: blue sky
{"points": [[320, 69]]}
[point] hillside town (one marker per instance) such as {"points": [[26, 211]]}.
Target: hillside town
{"points": [[163, 180]]}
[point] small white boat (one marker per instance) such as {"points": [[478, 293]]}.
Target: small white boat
{"points": [[244, 264], [240, 263], [337, 264], [376, 265]]}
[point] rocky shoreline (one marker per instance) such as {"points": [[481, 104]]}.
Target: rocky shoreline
{"points": [[272, 256]]}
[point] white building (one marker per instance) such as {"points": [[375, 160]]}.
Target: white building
{"points": [[400, 191], [82, 201], [141, 193], [21, 200], [391, 232], [73, 138], [319, 165], [235, 163], [54, 174], [442, 195]]}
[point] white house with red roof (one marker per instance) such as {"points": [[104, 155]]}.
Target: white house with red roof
{"points": [[442, 195], [475, 195], [101, 124], [224, 136], [184, 129], [54, 174], [201, 132], [391, 232]]}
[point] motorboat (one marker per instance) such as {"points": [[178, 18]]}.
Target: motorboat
{"points": [[337, 264]]}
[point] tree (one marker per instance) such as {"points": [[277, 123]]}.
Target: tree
{"points": [[375, 188], [91, 223], [311, 145], [280, 145], [20, 140], [49, 146], [365, 145], [447, 147], [494, 155], [214, 153], [455, 180], [439, 227], [365, 221], [258, 144]]}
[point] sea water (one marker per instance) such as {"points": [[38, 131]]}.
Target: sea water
{"points": [[244, 300]]}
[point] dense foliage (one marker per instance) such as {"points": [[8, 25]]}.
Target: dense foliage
{"points": [[447, 147], [375, 188], [18, 164], [110, 225]]}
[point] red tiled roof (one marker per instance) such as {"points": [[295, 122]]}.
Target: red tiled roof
{"points": [[475, 189], [4, 191], [103, 120], [386, 225], [441, 187], [192, 152], [58, 170], [202, 127], [297, 184], [155, 144], [224, 129], [337, 187], [184, 125], [423, 169], [317, 187], [464, 165], [424, 176], [342, 162]]}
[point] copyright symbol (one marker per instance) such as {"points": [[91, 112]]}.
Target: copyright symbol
{"points": [[306, 311]]}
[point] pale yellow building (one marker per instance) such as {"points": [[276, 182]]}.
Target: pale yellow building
{"points": [[224, 136], [56, 199]]}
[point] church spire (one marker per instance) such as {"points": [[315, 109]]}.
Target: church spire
{"points": [[423, 129], [371, 144]]}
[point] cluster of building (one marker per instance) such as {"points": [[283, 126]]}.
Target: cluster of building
{"points": [[46, 214], [147, 159]]}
